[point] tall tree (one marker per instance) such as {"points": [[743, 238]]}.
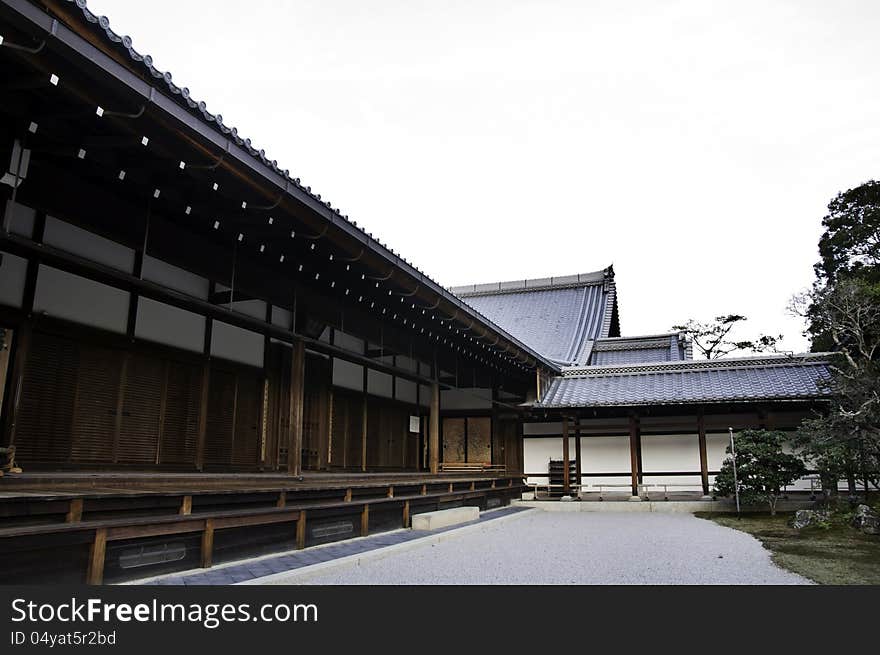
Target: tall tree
{"points": [[842, 312], [712, 338], [850, 245]]}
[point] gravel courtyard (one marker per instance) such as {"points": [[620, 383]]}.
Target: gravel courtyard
{"points": [[571, 548]]}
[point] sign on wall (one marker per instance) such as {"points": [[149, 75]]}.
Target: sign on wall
{"points": [[414, 424]]}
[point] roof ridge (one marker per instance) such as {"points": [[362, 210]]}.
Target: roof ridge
{"points": [[697, 364], [534, 284]]}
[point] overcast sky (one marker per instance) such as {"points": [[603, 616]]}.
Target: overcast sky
{"points": [[693, 144]]}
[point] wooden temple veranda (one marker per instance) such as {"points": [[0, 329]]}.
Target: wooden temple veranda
{"points": [[203, 360]]}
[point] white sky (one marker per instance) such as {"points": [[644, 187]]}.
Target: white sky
{"points": [[693, 144]]}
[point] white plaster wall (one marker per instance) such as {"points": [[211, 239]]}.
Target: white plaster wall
{"points": [[282, 318], [379, 383], [86, 244], [21, 219], [676, 452], [537, 453], [169, 325], [13, 271], [605, 455], [348, 375], [237, 345], [405, 390], [67, 296], [173, 277]]}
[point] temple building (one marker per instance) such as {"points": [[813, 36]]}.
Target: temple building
{"points": [[202, 359]]}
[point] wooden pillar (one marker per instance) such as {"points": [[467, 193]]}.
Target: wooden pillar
{"points": [[295, 430], [186, 505], [301, 530], [74, 512], [365, 521], [434, 429], [97, 552], [634, 452], [406, 513], [208, 544], [704, 459], [578, 471], [21, 351], [566, 481]]}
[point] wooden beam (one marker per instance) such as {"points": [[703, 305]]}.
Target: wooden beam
{"points": [[97, 553], [704, 459], [74, 514], [578, 465], [186, 505], [633, 452], [301, 530], [295, 430], [208, 544], [566, 477], [434, 429], [365, 521]]}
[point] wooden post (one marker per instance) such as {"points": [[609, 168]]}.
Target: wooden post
{"points": [[186, 505], [208, 544], [365, 521], [295, 430], [97, 551], [424, 491], [347, 498], [434, 429], [390, 491], [578, 469], [406, 513], [301, 530], [704, 459], [282, 499], [21, 347], [566, 481], [633, 452], [74, 513]]}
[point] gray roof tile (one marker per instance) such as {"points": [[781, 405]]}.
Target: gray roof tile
{"points": [[557, 317], [735, 380]]}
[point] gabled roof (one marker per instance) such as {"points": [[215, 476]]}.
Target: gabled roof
{"points": [[560, 317], [748, 379], [669, 347]]}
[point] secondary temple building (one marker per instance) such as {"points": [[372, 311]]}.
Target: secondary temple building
{"points": [[203, 359]]}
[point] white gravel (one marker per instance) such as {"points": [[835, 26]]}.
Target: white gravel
{"points": [[572, 548]]}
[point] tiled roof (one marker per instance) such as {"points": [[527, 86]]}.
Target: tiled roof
{"points": [[800, 377], [636, 350], [180, 95], [559, 317]]}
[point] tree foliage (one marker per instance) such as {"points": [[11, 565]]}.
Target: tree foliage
{"points": [[842, 311], [850, 245], [762, 468], [712, 338]]}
